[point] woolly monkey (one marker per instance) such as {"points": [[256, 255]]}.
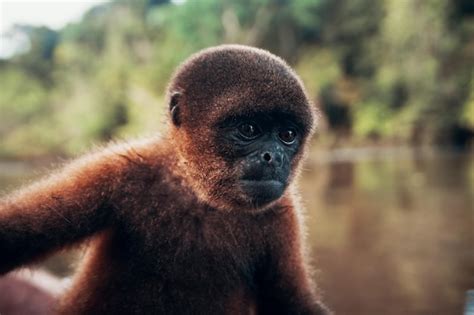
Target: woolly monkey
{"points": [[203, 220]]}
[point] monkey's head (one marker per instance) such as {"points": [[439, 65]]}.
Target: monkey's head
{"points": [[240, 120]]}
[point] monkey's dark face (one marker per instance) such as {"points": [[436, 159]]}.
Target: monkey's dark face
{"points": [[244, 160], [260, 149]]}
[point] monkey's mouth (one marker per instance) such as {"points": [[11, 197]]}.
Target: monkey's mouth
{"points": [[262, 192]]}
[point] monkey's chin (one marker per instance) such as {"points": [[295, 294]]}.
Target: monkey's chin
{"points": [[262, 192]]}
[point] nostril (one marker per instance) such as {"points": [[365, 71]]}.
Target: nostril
{"points": [[267, 157]]}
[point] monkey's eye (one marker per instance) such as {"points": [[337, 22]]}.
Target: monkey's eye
{"points": [[249, 130], [287, 136]]}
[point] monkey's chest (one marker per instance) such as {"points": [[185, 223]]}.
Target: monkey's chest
{"points": [[189, 250]]}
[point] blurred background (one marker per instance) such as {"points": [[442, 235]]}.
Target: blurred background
{"points": [[389, 183]]}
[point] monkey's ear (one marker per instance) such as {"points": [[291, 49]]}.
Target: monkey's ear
{"points": [[174, 108]]}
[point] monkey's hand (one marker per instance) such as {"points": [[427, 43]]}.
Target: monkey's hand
{"points": [[57, 211]]}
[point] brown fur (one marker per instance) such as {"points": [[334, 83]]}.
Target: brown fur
{"points": [[173, 233]]}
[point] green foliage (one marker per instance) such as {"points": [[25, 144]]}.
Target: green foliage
{"points": [[23, 102], [318, 67], [372, 120], [385, 70], [467, 117], [27, 95]]}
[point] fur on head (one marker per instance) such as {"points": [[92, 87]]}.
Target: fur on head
{"points": [[219, 83]]}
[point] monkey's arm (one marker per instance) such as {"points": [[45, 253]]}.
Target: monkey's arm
{"points": [[286, 285], [57, 211]]}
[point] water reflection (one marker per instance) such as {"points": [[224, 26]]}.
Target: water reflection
{"points": [[392, 231], [393, 234]]}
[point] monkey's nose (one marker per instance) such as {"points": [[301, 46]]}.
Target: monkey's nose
{"points": [[272, 158], [267, 157]]}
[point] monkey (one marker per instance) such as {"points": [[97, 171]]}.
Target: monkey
{"points": [[204, 219]]}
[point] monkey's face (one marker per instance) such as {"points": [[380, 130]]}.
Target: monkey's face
{"points": [[240, 121], [260, 152], [244, 160]]}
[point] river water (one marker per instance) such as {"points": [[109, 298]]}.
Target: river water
{"points": [[390, 231]]}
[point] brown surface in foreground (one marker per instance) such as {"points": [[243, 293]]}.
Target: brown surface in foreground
{"points": [[19, 297]]}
